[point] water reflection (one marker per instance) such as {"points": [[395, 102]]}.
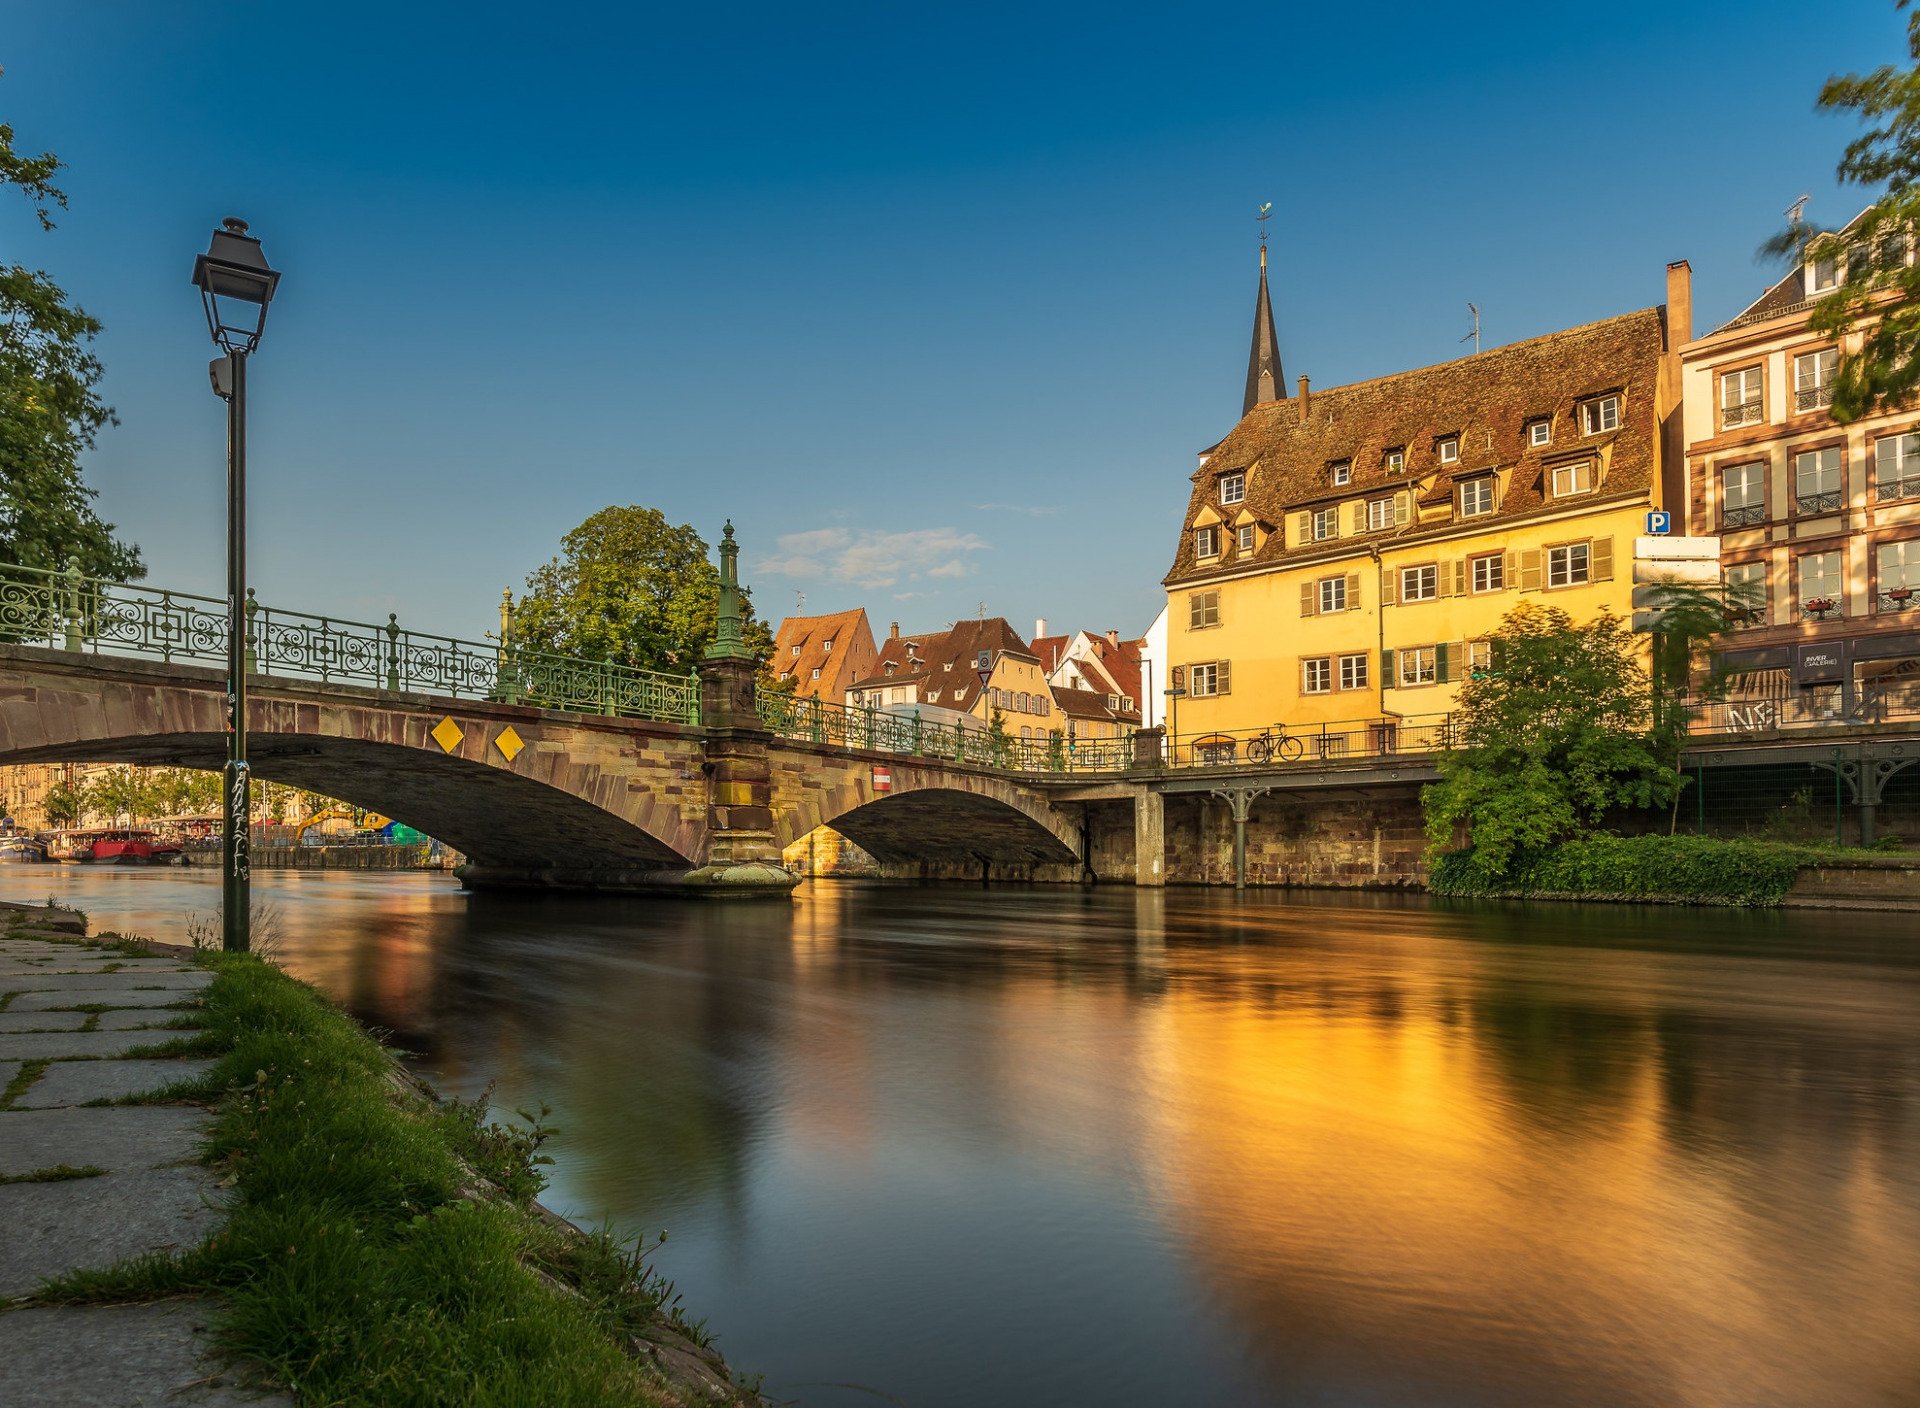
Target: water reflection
{"points": [[1125, 1147]]}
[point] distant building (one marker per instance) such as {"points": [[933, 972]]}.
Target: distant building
{"points": [[972, 668], [1819, 523], [822, 655], [1096, 679]]}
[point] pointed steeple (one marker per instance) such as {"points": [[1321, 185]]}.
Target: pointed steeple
{"points": [[1264, 378]]}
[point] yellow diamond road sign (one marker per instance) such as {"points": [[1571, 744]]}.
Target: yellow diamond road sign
{"points": [[509, 743], [448, 734]]}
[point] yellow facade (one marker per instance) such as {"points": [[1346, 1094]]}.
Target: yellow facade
{"points": [[1018, 688]]}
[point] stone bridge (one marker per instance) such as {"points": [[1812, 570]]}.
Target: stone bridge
{"points": [[536, 796]]}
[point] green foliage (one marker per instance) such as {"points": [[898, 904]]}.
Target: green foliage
{"points": [[1697, 869], [1877, 288], [1056, 750], [1694, 617], [630, 588], [1549, 741], [64, 804], [999, 741], [49, 409]]}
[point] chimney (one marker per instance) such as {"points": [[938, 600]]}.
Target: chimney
{"points": [[1305, 401], [1039, 627], [1679, 304], [893, 631], [1113, 637]]}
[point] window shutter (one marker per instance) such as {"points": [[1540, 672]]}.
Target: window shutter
{"points": [[1400, 510], [1309, 598], [1387, 680], [1530, 570], [1509, 570], [1353, 591], [1389, 586], [1360, 516], [1225, 677], [1443, 579], [1462, 576], [1600, 559], [1443, 663], [1303, 528]]}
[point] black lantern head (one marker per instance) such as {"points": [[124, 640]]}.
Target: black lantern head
{"points": [[235, 285]]}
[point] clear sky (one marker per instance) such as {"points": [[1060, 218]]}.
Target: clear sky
{"points": [[936, 301]]}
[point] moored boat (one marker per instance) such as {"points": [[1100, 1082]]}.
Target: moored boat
{"points": [[18, 847], [112, 845]]}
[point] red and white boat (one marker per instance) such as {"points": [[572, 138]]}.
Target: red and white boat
{"points": [[112, 845]]}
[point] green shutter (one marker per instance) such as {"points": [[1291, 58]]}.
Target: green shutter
{"points": [[1386, 670], [1442, 663]]}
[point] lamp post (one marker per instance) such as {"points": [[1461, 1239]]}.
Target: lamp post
{"points": [[1176, 691], [235, 286]]}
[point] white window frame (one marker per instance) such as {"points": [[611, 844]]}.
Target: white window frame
{"points": [[1539, 432], [1243, 538], [1449, 449], [1479, 657], [1233, 488], [1420, 583], [1203, 679], [1332, 595], [1329, 519], [1354, 671], [1823, 273], [1600, 415], [1206, 541], [1316, 675], [1343, 472], [1579, 472], [1570, 564], [1906, 573], [1380, 515], [1394, 461], [1417, 665], [1476, 497], [1485, 567], [1813, 374], [1829, 470], [1837, 592], [1904, 482], [1752, 486], [1741, 572]]}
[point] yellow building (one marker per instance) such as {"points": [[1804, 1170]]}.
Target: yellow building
{"points": [[972, 668], [1345, 553]]}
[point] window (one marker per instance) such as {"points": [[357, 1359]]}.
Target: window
{"points": [[1419, 583], [1203, 610], [1418, 665], [1570, 479], [1449, 448], [1343, 472], [1394, 461], [1743, 495], [1893, 250], [934, 697], [796, 651], [1489, 572], [1316, 675], [1479, 659], [1747, 593], [1820, 582], [1823, 273], [1569, 565], [1476, 497], [1233, 487], [1326, 523], [1896, 467], [1209, 678], [1599, 416], [816, 674], [1540, 432], [1206, 541], [1353, 672], [1740, 398], [1816, 480], [1813, 374], [1333, 594], [1898, 567], [947, 665], [1243, 537], [1379, 514]]}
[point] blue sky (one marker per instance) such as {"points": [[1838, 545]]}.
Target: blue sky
{"points": [[936, 302]]}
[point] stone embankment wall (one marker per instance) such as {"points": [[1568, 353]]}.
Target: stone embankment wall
{"points": [[418, 857], [1891, 882]]}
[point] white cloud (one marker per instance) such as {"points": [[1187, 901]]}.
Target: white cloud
{"points": [[869, 557]]}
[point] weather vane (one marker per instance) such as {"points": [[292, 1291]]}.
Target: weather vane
{"points": [[1474, 331], [1264, 214]]}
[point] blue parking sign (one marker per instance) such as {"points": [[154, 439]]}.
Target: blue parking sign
{"points": [[1659, 521]]}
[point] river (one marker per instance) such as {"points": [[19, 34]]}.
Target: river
{"points": [[963, 1147]]}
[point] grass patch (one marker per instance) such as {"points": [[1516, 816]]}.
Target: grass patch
{"points": [[382, 1247], [28, 1073], [1660, 869], [59, 1173]]}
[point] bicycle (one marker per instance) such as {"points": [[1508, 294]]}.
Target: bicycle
{"points": [[1276, 741]]}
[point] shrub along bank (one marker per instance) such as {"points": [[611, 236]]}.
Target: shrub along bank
{"points": [[384, 1247], [1661, 869]]}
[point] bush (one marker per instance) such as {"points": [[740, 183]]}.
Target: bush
{"points": [[1688, 869]]}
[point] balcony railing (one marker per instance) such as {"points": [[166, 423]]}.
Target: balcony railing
{"points": [[1812, 398], [1888, 487], [1748, 413], [1828, 502], [1896, 599], [1743, 517]]}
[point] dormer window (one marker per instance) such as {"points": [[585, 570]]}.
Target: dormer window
{"points": [[1233, 487], [1206, 541], [1823, 273], [828, 647], [1394, 461], [947, 665], [1600, 415], [1448, 447], [1343, 472], [1243, 537], [1571, 479], [1476, 497], [796, 651], [891, 666], [1539, 432]]}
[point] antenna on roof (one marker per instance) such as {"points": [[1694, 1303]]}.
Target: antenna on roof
{"points": [[1474, 308], [983, 611], [799, 602], [1797, 212]]}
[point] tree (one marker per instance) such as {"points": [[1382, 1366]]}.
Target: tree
{"points": [[120, 792], [49, 408], [184, 791], [64, 804], [630, 588], [1554, 736]]}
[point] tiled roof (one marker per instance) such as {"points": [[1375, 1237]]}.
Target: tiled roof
{"points": [[852, 652], [1049, 649], [1089, 704], [943, 662], [1486, 400], [1787, 296]]}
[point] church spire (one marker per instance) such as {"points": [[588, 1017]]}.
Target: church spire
{"points": [[1264, 378]]}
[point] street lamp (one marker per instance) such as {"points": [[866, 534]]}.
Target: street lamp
{"points": [[235, 286]]}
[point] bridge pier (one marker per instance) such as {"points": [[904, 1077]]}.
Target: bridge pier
{"points": [[743, 859], [1149, 838]]}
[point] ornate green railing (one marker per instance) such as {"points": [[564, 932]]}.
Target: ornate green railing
{"points": [[817, 721], [68, 611]]}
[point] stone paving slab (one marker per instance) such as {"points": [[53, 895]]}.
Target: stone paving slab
{"points": [[11, 1022], [117, 1356], [57, 1046], [135, 1017], [115, 1138], [77, 1082], [139, 997], [8, 1070], [185, 980], [94, 1222]]}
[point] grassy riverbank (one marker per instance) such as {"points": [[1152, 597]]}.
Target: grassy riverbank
{"points": [[1658, 869], [384, 1247]]}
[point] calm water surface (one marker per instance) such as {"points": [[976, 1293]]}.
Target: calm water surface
{"points": [[1004, 1147]]}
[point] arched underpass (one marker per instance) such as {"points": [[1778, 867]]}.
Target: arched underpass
{"points": [[945, 824]]}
